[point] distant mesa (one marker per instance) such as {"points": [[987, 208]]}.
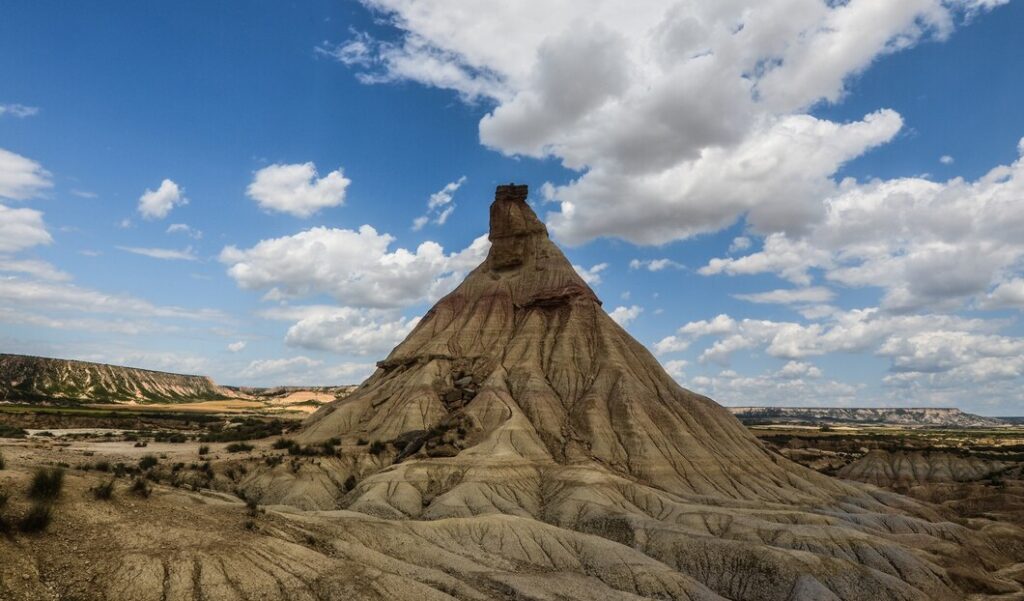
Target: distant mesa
{"points": [[29, 379], [894, 416], [40, 380]]}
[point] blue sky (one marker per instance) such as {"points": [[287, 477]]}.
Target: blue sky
{"points": [[793, 204]]}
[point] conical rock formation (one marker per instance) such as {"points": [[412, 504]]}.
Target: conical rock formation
{"points": [[517, 397]]}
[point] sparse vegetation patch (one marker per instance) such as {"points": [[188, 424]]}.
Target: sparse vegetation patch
{"points": [[46, 484]]}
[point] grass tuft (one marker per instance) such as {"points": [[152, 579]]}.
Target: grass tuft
{"points": [[46, 484], [37, 518], [103, 491]]}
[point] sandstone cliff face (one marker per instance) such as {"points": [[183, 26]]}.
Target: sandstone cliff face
{"points": [[517, 400], [40, 379]]}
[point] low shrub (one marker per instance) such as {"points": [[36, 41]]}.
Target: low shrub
{"points": [[46, 484], [141, 488], [252, 507], [204, 449], [3, 463], [101, 466], [37, 518], [284, 443], [174, 437], [377, 447], [103, 491], [238, 447], [147, 462], [12, 431], [249, 428], [5, 526], [350, 483]]}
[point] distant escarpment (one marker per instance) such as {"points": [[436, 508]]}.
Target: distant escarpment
{"points": [[894, 416], [40, 379]]}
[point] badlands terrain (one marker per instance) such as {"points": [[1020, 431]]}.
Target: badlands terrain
{"points": [[519, 444]]}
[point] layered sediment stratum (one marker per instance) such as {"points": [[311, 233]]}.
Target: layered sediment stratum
{"points": [[532, 430], [25, 378]]}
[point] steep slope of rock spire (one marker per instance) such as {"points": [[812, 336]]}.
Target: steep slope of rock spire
{"points": [[518, 400]]}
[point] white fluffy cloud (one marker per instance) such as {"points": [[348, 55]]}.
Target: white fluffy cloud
{"points": [[343, 330], [302, 370], [783, 387], [931, 356], [925, 244], [625, 315], [695, 111], [591, 275], [236, 347], [21, 178], [21, 229], [356, 268], [439, 205], [157, 204], [296, 189]]}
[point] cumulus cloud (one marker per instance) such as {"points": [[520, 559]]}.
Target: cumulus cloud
{"points": [[777, 388], [343, 330], [676, 368], [591, 275], [696, 112], [166, 254], [439, 205], [946, 159], [236, 347], [355, 267], [925, 244], [302, 370], [296, 189], [1006, 295], [157, 204], [625, 315], [799, 369], [739, 243], [927, 354], [21, 178], [21, 229]]}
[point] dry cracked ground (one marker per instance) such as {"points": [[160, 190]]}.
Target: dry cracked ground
{"points": [[517, 445]]}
